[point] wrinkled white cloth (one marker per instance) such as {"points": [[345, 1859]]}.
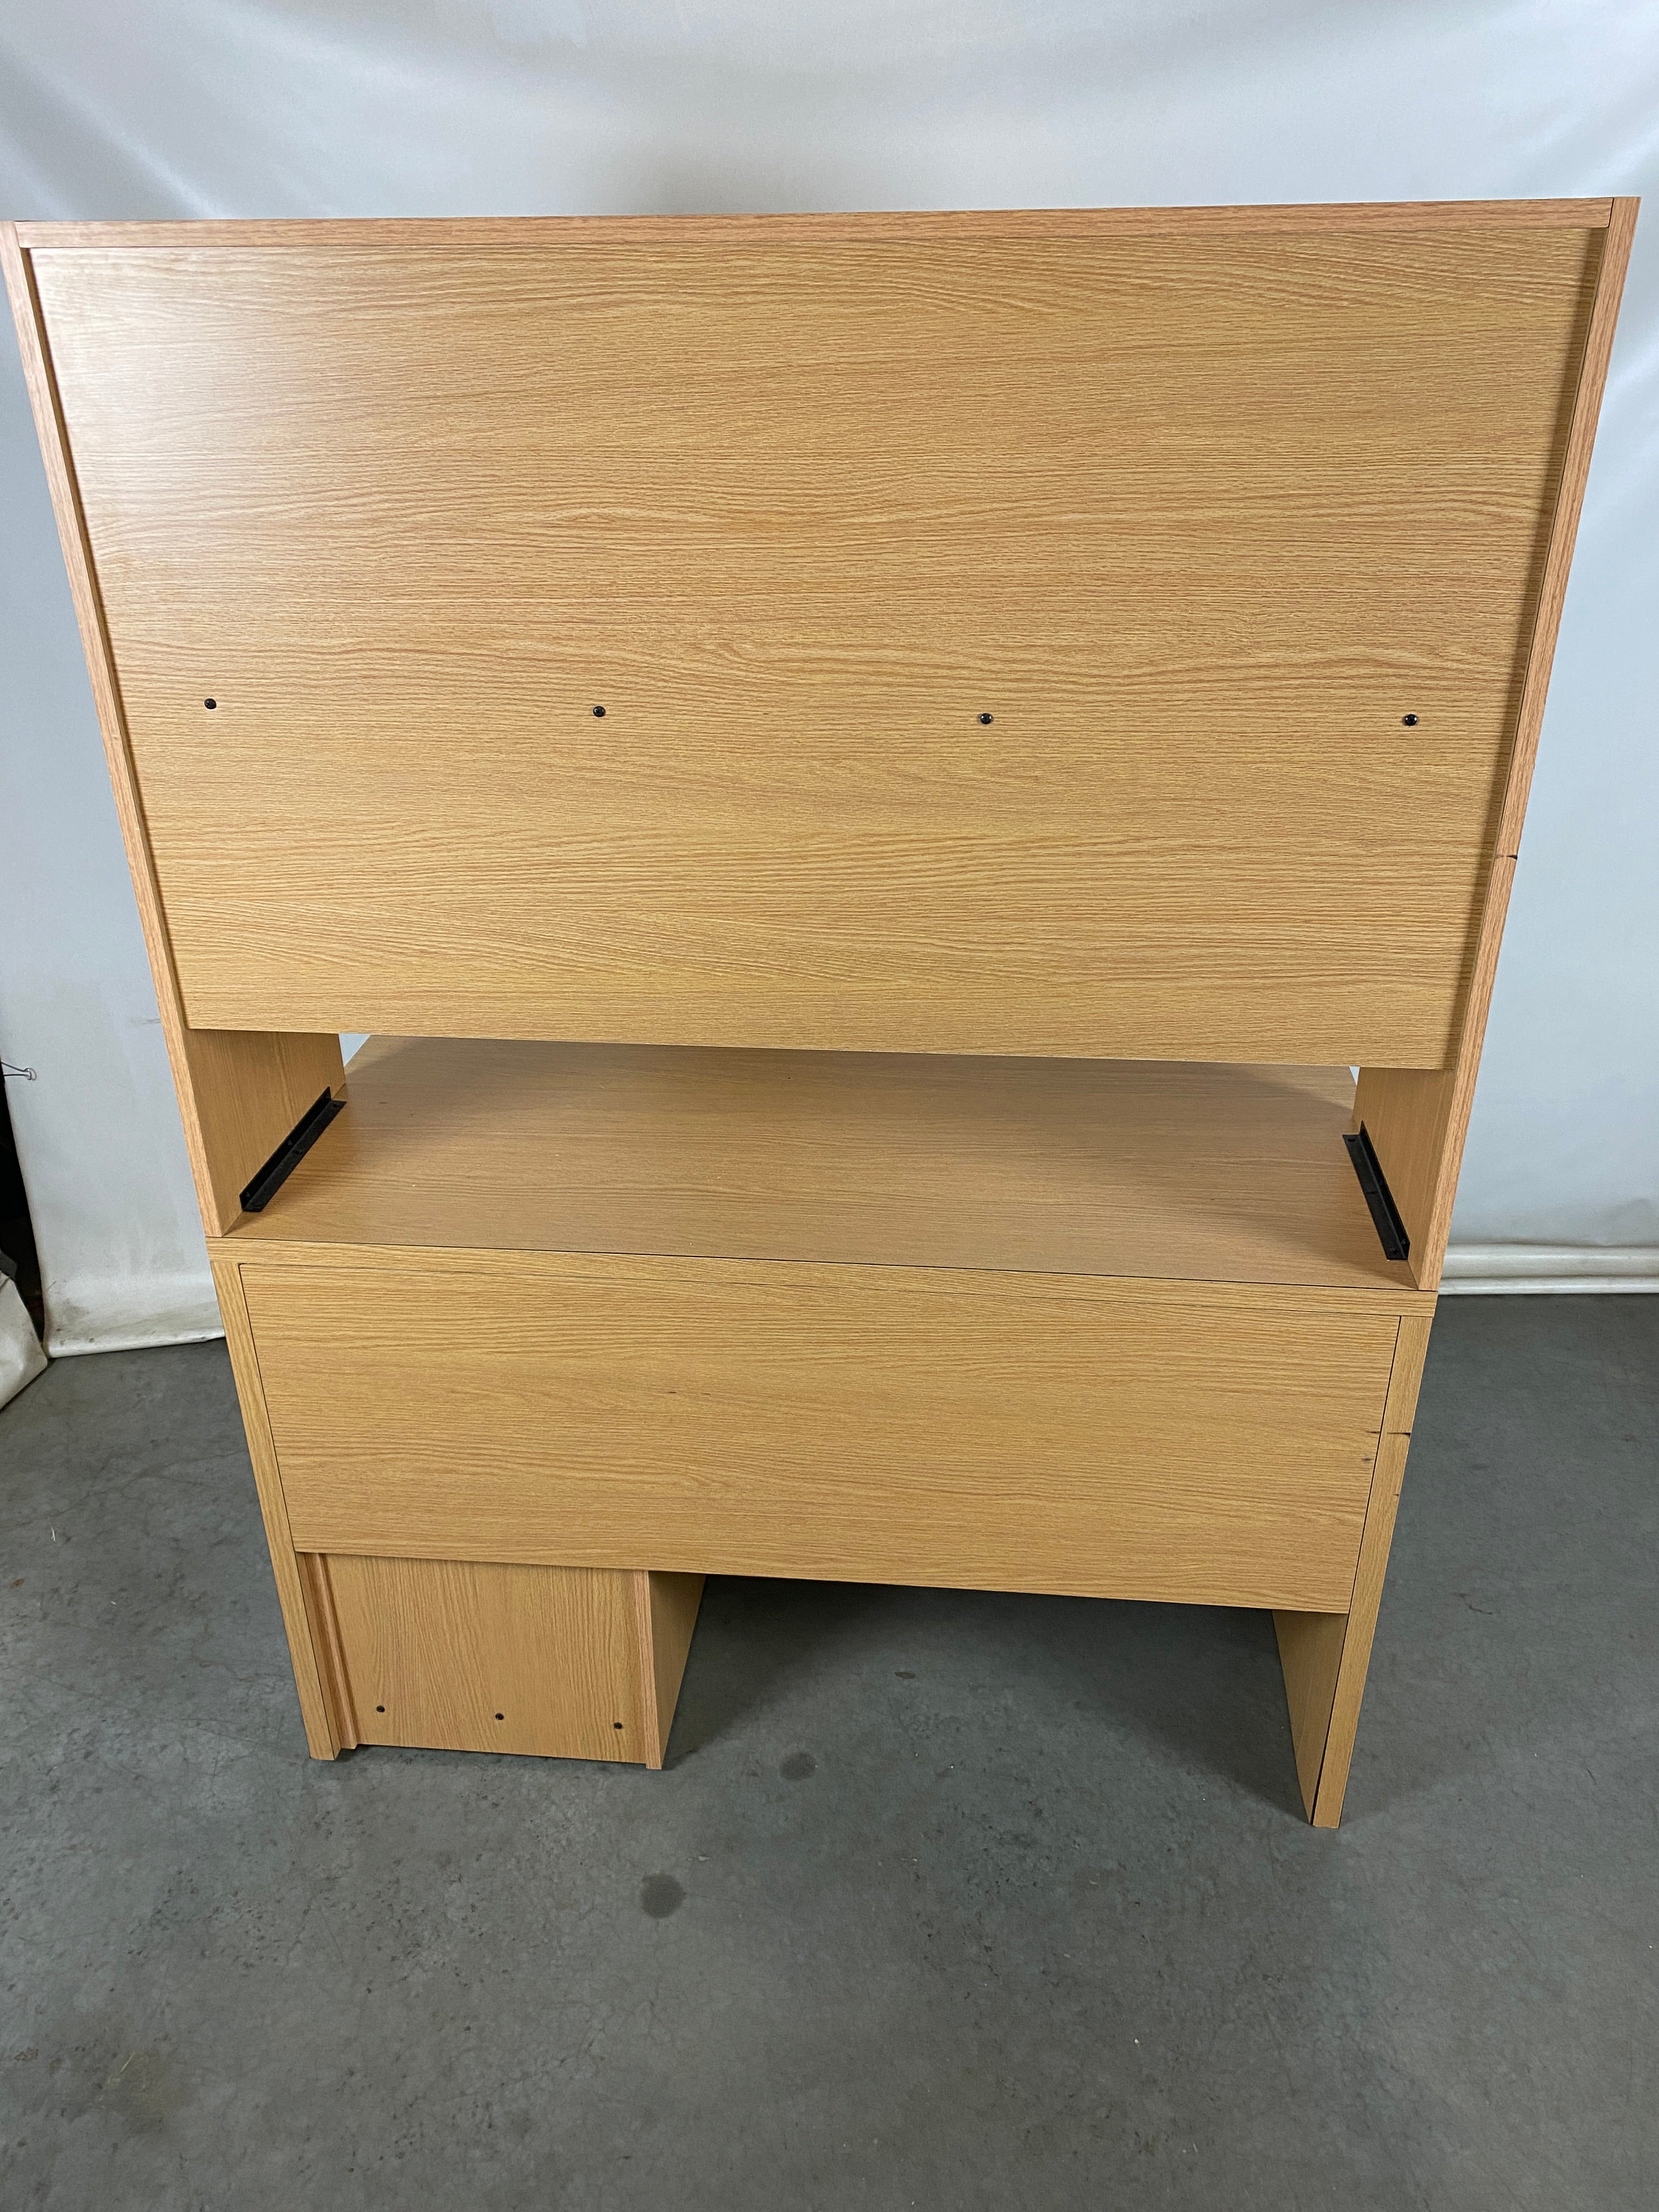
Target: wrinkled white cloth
{"points": [[21, 1356]]}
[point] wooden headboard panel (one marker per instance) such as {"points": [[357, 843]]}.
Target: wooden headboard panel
{"points": [[1232, 522]]}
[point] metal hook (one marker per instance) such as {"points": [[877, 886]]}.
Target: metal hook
{"points": [[6, 1068]]}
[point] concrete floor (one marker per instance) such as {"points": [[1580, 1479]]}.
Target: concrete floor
{"points": [[944, 1900]]}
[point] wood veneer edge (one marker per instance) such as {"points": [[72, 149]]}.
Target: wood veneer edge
{"points": [[1530, 721], [323, 1736], [895, 224], [1430, 1095], [969, 1282], [644, 1659], [1370, 1569], [331, 1651]]}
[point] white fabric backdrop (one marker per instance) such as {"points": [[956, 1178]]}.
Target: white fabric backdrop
{"points": [[291, 107]]}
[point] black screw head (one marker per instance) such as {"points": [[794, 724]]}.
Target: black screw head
{"points": [[1410, 720], [379, 1709], [616, 1725], [210, 704], [500, 1717], [987, 718], [599, 711]]}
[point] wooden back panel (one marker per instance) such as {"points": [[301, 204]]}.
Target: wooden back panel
{"points": [[1199, 509]]}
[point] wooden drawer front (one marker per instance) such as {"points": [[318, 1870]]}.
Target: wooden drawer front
{"points": [[863, 1423]]}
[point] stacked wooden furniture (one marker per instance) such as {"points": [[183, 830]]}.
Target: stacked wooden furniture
{"points": [[873, 777]]}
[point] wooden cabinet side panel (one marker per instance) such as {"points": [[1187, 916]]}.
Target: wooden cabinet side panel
{"points": [[324, 1733], [665, 1609], [1418, 1118], [239, 1092], [1326, 1657]]}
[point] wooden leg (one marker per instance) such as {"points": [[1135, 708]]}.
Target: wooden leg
{"points": [[1325, 1654], [317, 1708], [665, 1612]]}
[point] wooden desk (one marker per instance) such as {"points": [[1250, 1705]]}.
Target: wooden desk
{"points": [[876, 774]]}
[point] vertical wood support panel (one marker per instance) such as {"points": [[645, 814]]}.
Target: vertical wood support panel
{"points": [[324, 1733], [1418, 1118], [1325, 1656], [239, 1092], [665, 1612]]}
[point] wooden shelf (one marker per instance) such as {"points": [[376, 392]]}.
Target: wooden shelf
{"points": [[1163, 1170]]}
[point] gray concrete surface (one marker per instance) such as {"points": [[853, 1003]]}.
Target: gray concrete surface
{"points": [[943, 1900]]}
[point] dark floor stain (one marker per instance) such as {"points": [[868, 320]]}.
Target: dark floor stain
{"points": [[659, 1895], [797, 1767], [146, 2089]]}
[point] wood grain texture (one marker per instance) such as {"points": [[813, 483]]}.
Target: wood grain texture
{"points": [[1418, 1119], [1325, 1665], [331, 1652], [927, 226], [885, 1425], [1197, 516], [1310, 1656], [311, 1666], [237, 1091], [1173, 1170], [666, 1615], [248, 1090], [471, 1655]]}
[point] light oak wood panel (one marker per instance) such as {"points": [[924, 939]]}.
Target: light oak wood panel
{"points": [[1197, 518], [1140, 1168], [239, 1092], [472, 1656], [1310, 1656], [879, 1425], [1326, 1657], [534, 1269], [930, 226], [307, 1638], [1418, 1119], [248, 1091], [665, 1612], [331, 1652]]}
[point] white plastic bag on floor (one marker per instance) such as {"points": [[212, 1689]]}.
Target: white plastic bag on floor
{"points": [[21, 1356]]}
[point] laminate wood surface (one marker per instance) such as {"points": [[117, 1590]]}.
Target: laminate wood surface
{"points": [[1419, 1119], [1326, 1657], [1170, 1170], [859, 1423], [470, 1656], [239, 1092], [303, 1622], [665, 1611], [910, 226], [1199, 518], [1381, 1509]]}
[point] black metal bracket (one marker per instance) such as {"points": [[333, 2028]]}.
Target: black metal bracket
{"points": [[1384, 1212], [289, 1153]]}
